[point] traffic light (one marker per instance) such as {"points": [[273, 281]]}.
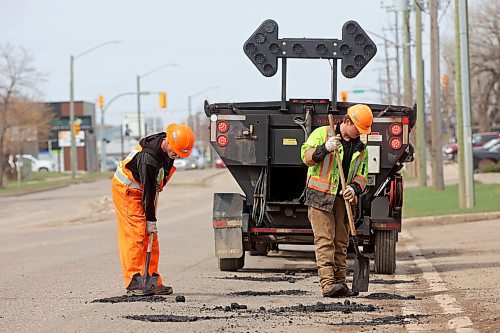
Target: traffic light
{"points": [[163, 100], [343, 95], [100, 101], [444, 81], [76, 126]]}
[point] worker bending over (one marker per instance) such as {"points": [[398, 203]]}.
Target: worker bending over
{"points": [[137, 182]]}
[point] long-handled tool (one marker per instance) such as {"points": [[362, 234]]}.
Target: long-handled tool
{"points": [[149, 283], [361, 275]]}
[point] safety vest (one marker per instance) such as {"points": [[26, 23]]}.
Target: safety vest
{"points": [[124, 175], [325, 176]]}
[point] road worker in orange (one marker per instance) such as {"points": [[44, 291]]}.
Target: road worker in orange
{"points": [[137, 182]]}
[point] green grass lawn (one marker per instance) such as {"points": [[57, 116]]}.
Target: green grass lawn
{"points": [[424, 201], [48, 180]]}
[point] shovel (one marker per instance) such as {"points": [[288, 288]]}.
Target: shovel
{"points": [[149, 283], [361, 275]]}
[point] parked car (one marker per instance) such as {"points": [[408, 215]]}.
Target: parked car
{"points": [[40, 165], [187, 163], [219, 163], [487, 154], [110, 163], [479, 139], [450, 150]]}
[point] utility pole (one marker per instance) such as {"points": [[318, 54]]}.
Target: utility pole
{"points": [[437, 158], [467, 135], [421, 146], [459, 112], [396, 46], [407, 80], [388, 73]]}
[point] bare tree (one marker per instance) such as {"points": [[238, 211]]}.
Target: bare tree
{"points": [[18, 91], [484, 43]]}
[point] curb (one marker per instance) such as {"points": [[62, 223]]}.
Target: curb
{"points": [[452, 219]]}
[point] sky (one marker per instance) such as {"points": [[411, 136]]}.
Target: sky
{"points": [[203, 38]]}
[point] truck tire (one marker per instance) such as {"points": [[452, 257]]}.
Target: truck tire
{"points": [[231, 264], [385, 251], [260, 249]]}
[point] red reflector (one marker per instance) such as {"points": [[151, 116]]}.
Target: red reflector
{"points": [[324, 101], [405, 121], [295, 101], [395, 143], [222, 126], [222, 140], [396, 129]]}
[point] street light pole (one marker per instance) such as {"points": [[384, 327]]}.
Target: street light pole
{"points": [[73, 159], [72, 151], [103, 110], [190, 117], [138, 82]]}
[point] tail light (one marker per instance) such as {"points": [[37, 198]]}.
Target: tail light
{"points": [[222, 126], [222, 140], [396, 129], [395, 143]]}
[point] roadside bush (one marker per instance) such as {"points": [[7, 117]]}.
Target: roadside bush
{"points": [[490, 167]]}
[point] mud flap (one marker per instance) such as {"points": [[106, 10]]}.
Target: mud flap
{"points": [[228, 223]]}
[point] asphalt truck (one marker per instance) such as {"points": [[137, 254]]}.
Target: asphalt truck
{"points": [[260, 144]]}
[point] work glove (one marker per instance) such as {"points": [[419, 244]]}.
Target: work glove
{"points": [[349, 193], [151, 227], [333, 143]]}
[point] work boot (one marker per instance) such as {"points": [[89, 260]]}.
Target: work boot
{"points": [[341, 290], [164, 290]]}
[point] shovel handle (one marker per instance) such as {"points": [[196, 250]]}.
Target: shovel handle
{"points": [[348, 209], [150, 243]]}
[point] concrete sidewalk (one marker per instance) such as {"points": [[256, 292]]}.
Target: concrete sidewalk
{"points": [[450, 173]]}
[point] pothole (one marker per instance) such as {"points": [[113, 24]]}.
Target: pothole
{"points": [[380, 281], [167, 318], [271, 293], [390, 296], [129, 299], [346, 307], [286, 278], [389, 320]]}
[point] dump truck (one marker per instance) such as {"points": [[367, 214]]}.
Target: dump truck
{"points": [[260, 143]]}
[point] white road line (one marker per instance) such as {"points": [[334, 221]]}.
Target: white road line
{"points": [[446, 301]]}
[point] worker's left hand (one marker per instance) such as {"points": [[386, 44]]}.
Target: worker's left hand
{"points": [[151, 227], [349, 193]]}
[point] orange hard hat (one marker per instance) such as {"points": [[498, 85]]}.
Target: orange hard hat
{"points": [[362, 117], [181, 139]]}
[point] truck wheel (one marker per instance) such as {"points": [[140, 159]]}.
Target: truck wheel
{"points": [[385, 251], [260, 250], [231, 264]]}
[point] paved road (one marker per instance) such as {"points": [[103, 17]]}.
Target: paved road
{"points": [[58, 254]]}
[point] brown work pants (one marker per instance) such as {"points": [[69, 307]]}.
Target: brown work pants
{"points": [[331, 239], [132, 238]]}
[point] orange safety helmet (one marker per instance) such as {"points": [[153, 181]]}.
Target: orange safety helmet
{"points": [[181, 139], [362, 117]]}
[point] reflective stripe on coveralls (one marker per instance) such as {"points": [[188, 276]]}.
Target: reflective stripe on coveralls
{"points": [[132, 238]]}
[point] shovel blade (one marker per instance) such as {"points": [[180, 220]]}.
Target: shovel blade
{"points": [[148, 284], [361, 276]]}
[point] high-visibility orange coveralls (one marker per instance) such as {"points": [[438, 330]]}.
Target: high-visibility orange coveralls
{"points": [[130, 199]]}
